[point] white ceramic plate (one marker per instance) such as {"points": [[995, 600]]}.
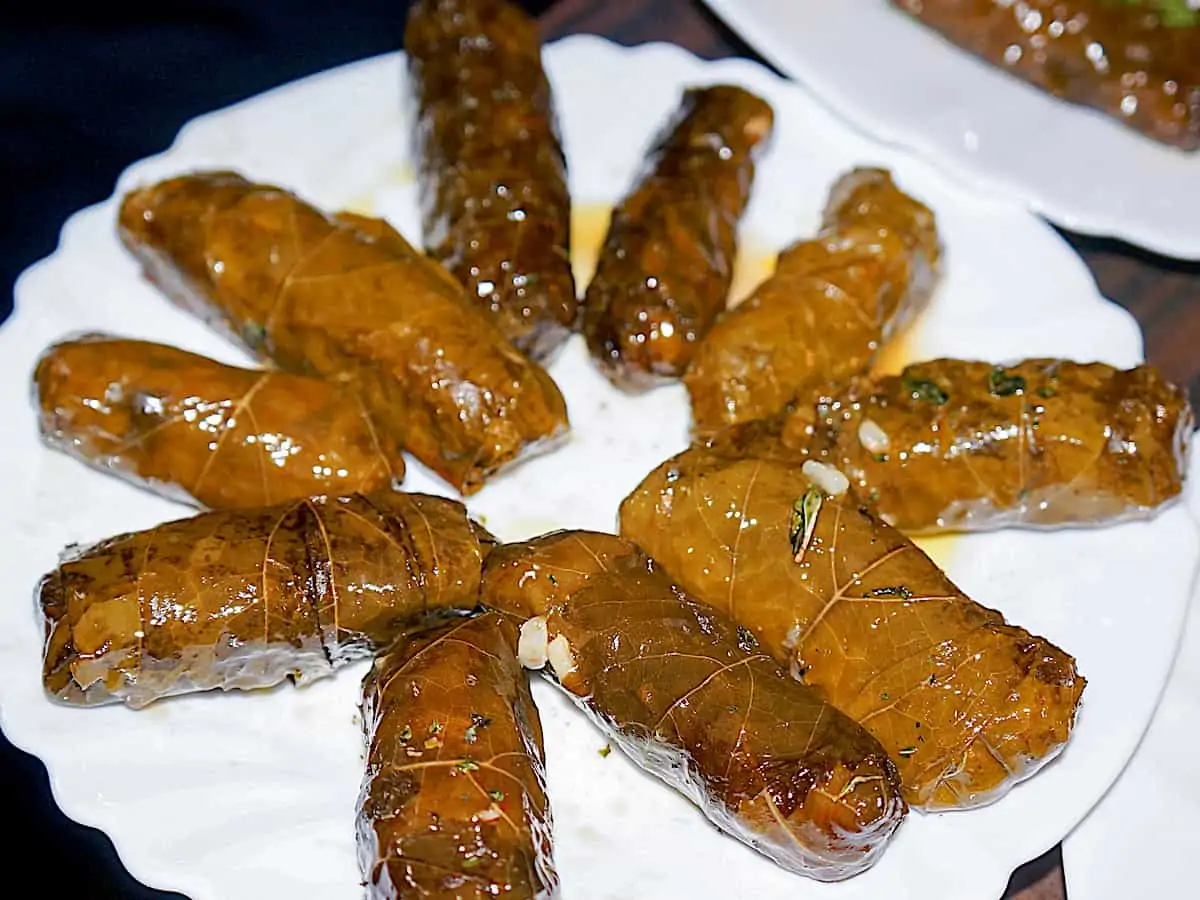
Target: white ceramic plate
{"points": [[1141, 840], [251, 796], [905, 85]]}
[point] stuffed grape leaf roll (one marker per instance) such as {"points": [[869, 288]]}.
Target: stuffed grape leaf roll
{"points": [[949, 445], [243, 599], [1135, 60], [197, 430], [491, 168], [692, 699], [320, 296], [829, 306], [666, 266], [965, 703], [453, 805]]}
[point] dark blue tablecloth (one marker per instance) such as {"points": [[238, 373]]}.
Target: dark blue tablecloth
{"points": [[83, 95]]}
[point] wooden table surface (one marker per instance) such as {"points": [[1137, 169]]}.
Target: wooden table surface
{"points": [[1163, 294]]}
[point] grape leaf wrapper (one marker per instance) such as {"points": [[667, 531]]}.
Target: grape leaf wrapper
{"points": [[966, 704], [691, 698], [949, 445], [666, 266], [453, 804], [243, 599], [319, 295], [491, 170], [1134, 60], [201, 432], [824, 313]]}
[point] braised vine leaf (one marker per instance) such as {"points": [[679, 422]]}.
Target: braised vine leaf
{"points": [[1042, 442], [242, 599], [868, 619], [491, 170], [692, 698], [666, 266], [827, 309], [358, 305], [194, 429], [1135, 60], [453, 804]]}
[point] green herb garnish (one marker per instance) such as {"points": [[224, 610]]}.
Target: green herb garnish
{"points": [[926, 391], [466, 764], [1172, 13], [605, 750], [477, 721], [899, 591], [804, 522], [1001, 384], [496, 795], [906, 752]]}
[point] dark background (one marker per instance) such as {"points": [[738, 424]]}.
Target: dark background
{"points": [[82, 95]]}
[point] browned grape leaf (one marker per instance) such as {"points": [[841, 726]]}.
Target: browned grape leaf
{"points": [[966, 704], [317, 295], [453, 803], [193, 429], [493, 177], [242, 599], [953, 445], [693, 700], [666, 266], [823, 314]]}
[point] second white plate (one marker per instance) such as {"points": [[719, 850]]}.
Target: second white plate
{"points": [[903, 84]]}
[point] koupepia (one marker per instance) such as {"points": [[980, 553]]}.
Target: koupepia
{"points": [[491, 168], [965, 703], [1135, 60], [454, 804], [214, 435], [691, 699], [243, 599], [318, 295], [950, 445], [664, 271], [823, 315]]}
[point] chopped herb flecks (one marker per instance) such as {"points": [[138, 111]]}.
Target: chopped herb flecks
{"points": [[605, 750], [746, 639], [803, 522], [477, 721], [899, 591], [466, 764], [1001, 384], [926, 391], [906, 752]]}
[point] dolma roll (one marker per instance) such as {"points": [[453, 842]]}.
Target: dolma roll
{"points": [[824, 313], [243, 599], [453, 805], [1135, 60], [665, 269], [491, 168], [197, 430], [318, 295], [966, 704], [949, 445], [692, 699]]}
